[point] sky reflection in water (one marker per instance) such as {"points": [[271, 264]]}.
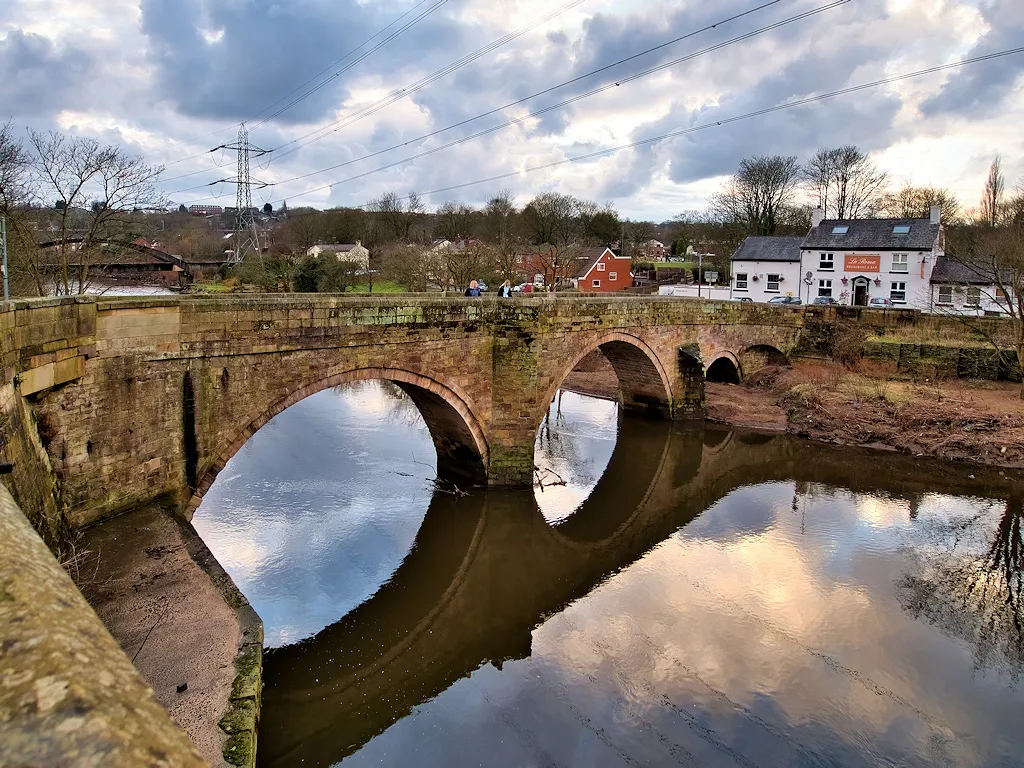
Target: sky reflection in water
{"points": [[791, 622]]}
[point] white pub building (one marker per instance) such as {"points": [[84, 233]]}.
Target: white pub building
{"points": [[849, 260]]}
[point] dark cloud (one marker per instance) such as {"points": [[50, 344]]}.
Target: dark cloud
{"points": [[983, 88], [39, 77], [231, 60]]}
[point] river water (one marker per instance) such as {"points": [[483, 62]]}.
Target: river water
{"points": [[667, 595]]}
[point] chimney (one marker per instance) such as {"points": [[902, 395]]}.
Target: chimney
{"points": [[936, 214], [359, 244], [817, 215]]}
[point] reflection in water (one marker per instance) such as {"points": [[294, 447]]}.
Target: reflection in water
{"points": [[318, 509], [717, 600], [967, 580]]}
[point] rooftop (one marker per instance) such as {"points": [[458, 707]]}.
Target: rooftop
{"points": [[768, 248], [873, 234]]}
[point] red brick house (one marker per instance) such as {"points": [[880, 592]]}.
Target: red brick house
{"points": [[600, 270]]}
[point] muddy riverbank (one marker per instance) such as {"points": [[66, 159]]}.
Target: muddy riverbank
{"points": [[962, 420]]}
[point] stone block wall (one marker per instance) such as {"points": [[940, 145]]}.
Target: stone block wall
{"points": [[164, 390]]}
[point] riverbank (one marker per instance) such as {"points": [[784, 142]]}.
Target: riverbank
{"points": [[183, 623], [961, 420]]}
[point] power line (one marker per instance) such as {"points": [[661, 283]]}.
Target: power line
{"points": [[351, 64], [423, 82], [307, 82], [579, 97], [552, 88], [726, 121]]}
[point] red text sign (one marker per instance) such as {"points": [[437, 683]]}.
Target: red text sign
{"points": [[860, 262]]}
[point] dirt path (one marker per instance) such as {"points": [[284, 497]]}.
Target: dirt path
{"points": [[141, 576]]}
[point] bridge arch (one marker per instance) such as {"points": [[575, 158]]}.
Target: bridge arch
{"points": [[725, 368], [462, 449], [757, 356], [644, 384]]}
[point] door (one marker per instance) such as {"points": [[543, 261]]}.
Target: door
{"points": [[860, 293]]}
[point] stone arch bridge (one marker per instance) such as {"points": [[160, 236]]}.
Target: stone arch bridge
{"points": [[110, 403]]}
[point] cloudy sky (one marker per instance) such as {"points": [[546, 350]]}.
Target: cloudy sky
{"points": [[171, 79]]}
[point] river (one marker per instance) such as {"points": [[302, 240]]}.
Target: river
{"points": [[666, 595]]}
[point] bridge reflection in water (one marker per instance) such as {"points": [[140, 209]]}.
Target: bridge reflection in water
{"points": [[486, 571]]}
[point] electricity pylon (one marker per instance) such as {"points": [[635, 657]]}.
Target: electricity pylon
{"points": [[246, 234]]}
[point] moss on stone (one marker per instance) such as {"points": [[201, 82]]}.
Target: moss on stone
{"points": [[249, 666], [240, 749]]}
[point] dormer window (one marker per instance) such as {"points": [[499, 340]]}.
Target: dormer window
{"points": [[842, 229], [901, 229]]}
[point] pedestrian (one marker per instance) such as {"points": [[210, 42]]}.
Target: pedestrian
{"points": [[474, 288], [505, 291]]}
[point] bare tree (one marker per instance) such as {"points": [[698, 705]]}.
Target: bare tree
{"points": [[993, 259], [408, 264], [759, 193], [845, 183], [458, 266], [501, 228], [391, 218], [454, 220], [551, 218], [971, 586], [96, 189], [910, 202], [992, 197]]}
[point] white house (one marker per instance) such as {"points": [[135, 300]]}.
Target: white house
{"points": [[765, 267], [855, 260], [344, 252], [963, 288]]}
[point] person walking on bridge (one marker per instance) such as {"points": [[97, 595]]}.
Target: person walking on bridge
{"points": [[474, 288], [505, 291]]}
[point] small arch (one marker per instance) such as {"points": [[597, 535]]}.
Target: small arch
{"points": [[756, 357], [462, 451], [724, 369], [643, 382]]}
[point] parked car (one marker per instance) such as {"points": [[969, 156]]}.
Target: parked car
{"points": [[482, 286], [743, 298], [827, 300], [785, 300], [880, 301]]}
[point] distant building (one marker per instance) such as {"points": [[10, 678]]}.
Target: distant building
{"points": [[344, 252], [600, 270], [763, 267], [205, 210], [654, 250], [964, 288]]}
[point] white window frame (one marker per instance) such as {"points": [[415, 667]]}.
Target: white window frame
{"points": [[905, 263], [827, 262], [825, 288], [596, 284], [968, 301], [947, 289], [898, 287], [741, 281], [600, 266], [768, 282], [613, 275]]}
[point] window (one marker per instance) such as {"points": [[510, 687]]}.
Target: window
{"points": [[901, 229], [899, 262], [898, 293], [973, 297], [597, 283], [773, 283], [840, 230], [945, 294], [1000, 293], [600, 267], [613, 275], [741, 281], [825, 287], [827, 261]]}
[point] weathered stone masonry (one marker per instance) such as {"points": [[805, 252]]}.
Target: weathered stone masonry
{"points": [[135, 399]]}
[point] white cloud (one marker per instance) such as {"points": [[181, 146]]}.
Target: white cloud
{"points": [[161, 76]]}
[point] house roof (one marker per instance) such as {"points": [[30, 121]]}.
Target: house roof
{"points": [[766, 248], [336, 247], [873, 234], [950, 270], [588, 258]]}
